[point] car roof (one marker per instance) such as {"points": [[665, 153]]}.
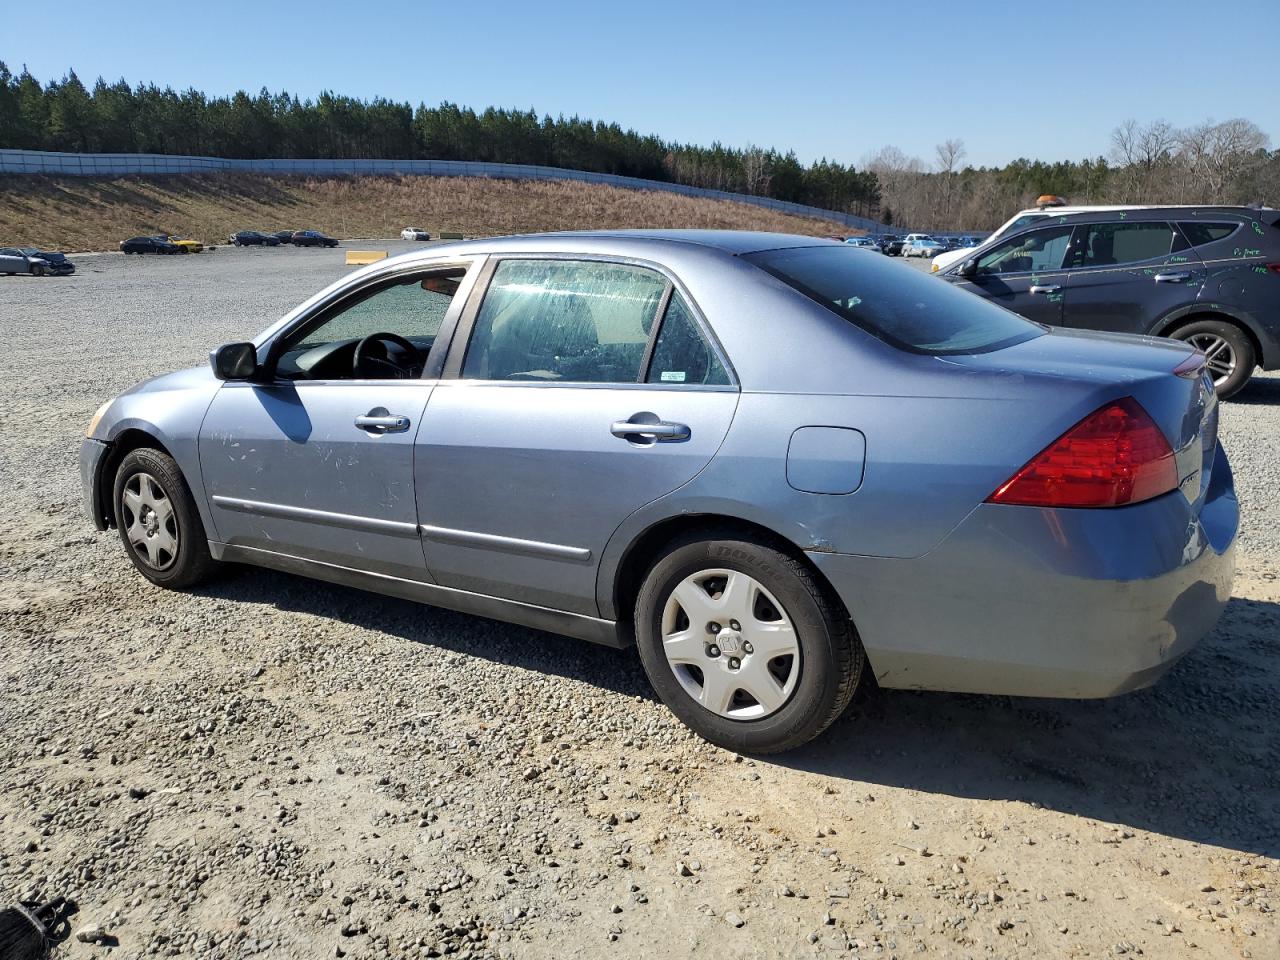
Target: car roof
{"points": [[728, 241]]}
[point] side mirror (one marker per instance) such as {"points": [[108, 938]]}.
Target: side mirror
{"points": [[969, 269], [234, 361]]}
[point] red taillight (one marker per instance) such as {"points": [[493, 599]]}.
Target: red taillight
{"points": [[1115, 456], [1274, 267]]}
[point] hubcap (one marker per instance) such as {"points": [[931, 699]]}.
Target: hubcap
{"points": [[730, 644], [149, 522], [1219, 354]]}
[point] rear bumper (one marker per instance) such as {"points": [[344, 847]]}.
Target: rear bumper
{"points": [[1024, 601], [92, 453]]}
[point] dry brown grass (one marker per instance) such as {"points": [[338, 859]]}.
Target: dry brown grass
{"points": [[95, 214]]}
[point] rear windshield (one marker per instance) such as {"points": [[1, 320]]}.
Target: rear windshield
{"points": [[911, 310]]}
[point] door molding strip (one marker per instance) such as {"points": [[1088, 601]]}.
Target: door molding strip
{"points": [[281, 511], [492, 541], [578, 625]]}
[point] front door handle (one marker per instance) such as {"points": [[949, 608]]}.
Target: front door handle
{"points": [[1177, 277], [647, 427], [1044, 288], [378, 421]]}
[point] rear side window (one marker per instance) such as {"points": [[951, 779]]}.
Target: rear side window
{"points": [[682, 354], [565, 321], [1198, 234], [1109, 244], [908, 309]]}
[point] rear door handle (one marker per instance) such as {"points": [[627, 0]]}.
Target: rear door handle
{"points": [[378, 421], [650, 428], [1172, 277], [1044, 288]]}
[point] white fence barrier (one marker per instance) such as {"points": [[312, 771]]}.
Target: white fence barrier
{"points": [[125, 164]]}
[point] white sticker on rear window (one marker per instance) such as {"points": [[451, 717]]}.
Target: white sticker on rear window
{"points": [[676, 376]]}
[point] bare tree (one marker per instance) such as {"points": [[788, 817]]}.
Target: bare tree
{"points": [[755, 170], [1219, 154], [950, 152], [1142, 152]]}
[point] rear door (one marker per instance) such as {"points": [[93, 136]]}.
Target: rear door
{"points": [[577, 391], [1127, 275], [1026, 273]]}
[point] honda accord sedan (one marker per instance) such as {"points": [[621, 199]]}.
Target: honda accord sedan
{"points": [[771, 462]]}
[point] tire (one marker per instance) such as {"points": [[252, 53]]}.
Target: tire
{"points": [[1221, 339], [37, 271], [810, 688], [150, 480]]}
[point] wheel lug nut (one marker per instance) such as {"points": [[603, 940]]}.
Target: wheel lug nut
{"points": [[734, 663], [734, 625], [746, 648], [713, 651], [713, 627]]}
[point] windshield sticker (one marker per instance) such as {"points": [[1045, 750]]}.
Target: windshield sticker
{"points": [[673, 376]]}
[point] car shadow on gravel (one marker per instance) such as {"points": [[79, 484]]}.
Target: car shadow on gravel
{"points": [[1264, 391], [548, 653], [1197, 756]]}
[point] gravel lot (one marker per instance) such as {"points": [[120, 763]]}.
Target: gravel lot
{"points": [[274, 766]]}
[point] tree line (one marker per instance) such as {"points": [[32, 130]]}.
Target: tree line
{"points": [[117, 118], [1215, 163], [1227, 162]]}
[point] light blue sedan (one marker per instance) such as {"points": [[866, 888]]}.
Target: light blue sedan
{"points": [[770, 462]]}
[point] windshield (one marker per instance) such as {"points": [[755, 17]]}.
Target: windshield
{"points": [[908, 309]]}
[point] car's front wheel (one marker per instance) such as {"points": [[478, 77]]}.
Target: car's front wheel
{"points": [[1228, 349], [744, 644], [158, 521]]}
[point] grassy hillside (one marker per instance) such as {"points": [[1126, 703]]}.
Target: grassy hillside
{"points": [[95, 214]]}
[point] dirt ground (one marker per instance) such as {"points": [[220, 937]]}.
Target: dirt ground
{"points": [[271, 766]]}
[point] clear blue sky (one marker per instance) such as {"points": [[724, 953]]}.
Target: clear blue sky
{"points": [[830, 78]]}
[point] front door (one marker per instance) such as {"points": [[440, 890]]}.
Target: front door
{"points": [[317, 461], [1025, 274], [1127, 276], [567, 412]]}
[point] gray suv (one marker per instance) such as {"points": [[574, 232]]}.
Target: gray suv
{"points": [[1206, 275]]}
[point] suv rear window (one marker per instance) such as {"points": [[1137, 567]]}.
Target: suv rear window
{"points": [[910, 310], [1198, 234]]}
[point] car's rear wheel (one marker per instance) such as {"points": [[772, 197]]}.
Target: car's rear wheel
{"points": [[744, 644], [1230, 353], [158, 521]]}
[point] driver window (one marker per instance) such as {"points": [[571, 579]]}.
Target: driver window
{"points": [[1039, 250], [408, 310]]}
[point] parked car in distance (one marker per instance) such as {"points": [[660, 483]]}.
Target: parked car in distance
{"points": [[414, 233], [38, 263], [921, 246], [186, 244], [149, 245], [1209, 276], [284, 236], [891, 246], [312, 238], [253, 238], [865, 242], [921, 484]]}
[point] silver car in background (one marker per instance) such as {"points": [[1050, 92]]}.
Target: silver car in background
{"points": [[768, 461]]}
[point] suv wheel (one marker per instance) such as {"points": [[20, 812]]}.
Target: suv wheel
{"points": [[1229, 351], [744, 645]]}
